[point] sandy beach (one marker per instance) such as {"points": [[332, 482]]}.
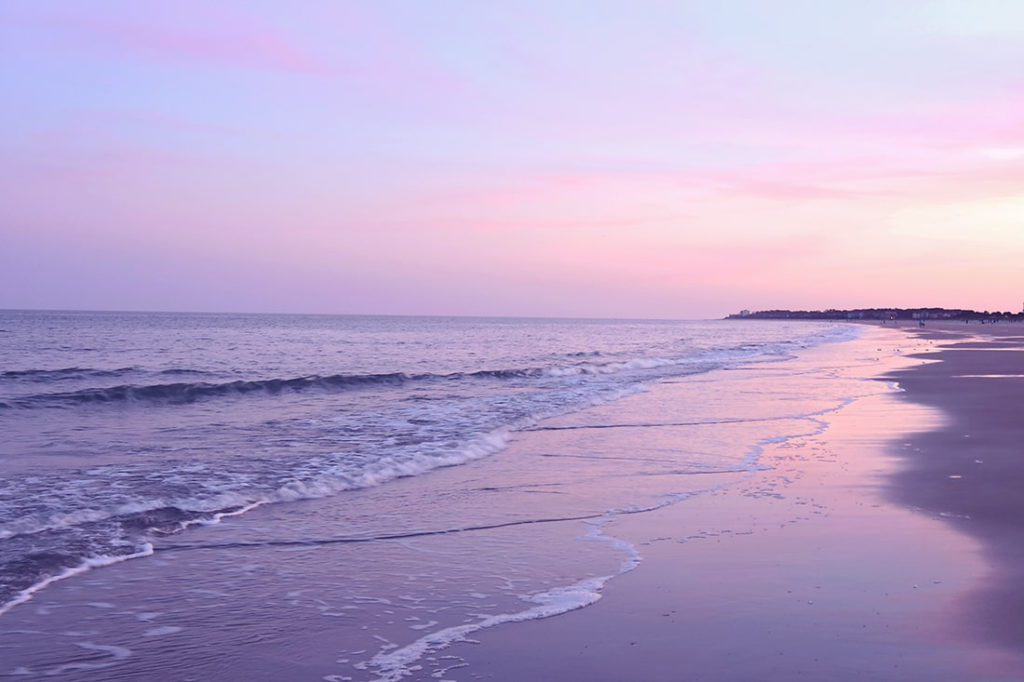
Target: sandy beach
{"points": [[968, 469], [891, 549]]}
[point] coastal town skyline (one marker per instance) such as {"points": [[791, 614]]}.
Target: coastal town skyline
{"points": [[677, 160]]}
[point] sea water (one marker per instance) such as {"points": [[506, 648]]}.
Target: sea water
{"points": [[343, 441]]}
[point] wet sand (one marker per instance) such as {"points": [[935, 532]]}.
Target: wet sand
{"points": [[863, 566], [970, 469]]}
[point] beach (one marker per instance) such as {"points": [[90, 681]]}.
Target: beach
{"points": [[802, 516], [891, 552], [512, 341], [968, 469]]}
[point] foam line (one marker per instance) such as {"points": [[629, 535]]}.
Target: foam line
{"points": [[391, 666], [394, 665], [87, 564]]}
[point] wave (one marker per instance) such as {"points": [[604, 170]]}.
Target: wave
{"points": [[65, 373], [190, 392], [50, 547], [54, 567], [42, 375], [46, 554], [90, 527], [185, 371]]}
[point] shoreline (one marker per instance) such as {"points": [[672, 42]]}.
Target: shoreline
{"points": [[867, 585], [790, 562], [374, 584]]}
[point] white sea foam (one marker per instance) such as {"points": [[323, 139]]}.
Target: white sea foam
{"points": [[208, 504], [596, 532], [219, 516], [85, 565], [342, 477], [393, 665]]}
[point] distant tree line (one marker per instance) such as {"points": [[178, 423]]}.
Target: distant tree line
{"points": [[879, 314]]}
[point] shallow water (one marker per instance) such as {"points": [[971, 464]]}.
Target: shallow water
{"points": [[402, 482]]}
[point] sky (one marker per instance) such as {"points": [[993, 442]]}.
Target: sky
{"points": [[528, 158]]}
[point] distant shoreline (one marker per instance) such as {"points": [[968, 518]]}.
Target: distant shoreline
{"points": [[882, 314]]}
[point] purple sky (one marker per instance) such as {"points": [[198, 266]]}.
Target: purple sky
{"points": [[651, 159]]}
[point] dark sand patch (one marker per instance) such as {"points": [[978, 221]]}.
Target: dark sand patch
{"points": [[970, 468]]}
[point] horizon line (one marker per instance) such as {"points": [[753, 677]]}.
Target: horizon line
{"points": [[322, 314]]}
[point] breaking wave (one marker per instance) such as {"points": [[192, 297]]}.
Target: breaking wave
{"points": [[189, 392]]}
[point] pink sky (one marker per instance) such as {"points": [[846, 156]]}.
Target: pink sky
{"points": [[654, 159]]}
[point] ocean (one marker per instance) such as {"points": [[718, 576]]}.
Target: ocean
{"points": [[361, 470]]}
